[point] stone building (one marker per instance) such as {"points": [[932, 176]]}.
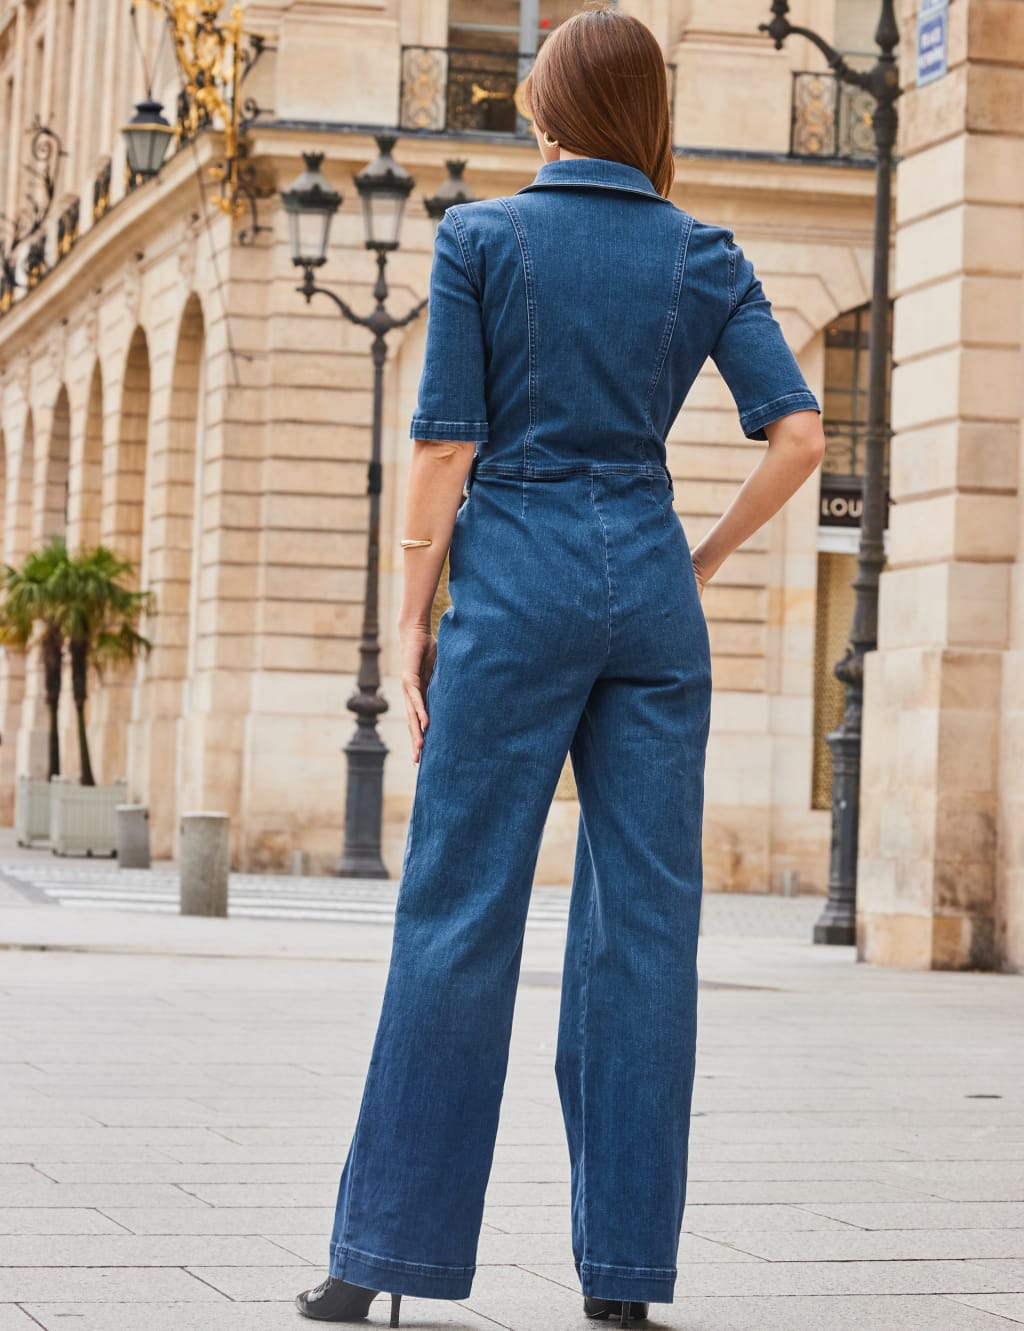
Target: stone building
{"points": [[941, 879], [167, 390]]}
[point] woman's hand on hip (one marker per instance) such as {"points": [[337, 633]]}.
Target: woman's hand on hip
{"points": [[419, 652]]}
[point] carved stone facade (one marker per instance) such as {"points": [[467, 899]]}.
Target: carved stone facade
{"points": [[942, 867], [166, 390]]}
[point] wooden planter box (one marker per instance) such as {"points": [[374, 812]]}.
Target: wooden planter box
{"points": [[83, 819], [32, 811]]}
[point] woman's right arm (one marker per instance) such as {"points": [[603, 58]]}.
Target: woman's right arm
{"points": [[774, 403], [796, 444]]}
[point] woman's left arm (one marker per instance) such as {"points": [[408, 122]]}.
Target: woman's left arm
{"points": [[437, 476]]}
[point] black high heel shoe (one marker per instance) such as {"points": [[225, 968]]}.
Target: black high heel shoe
{"points": [[338, 1301], [605, 1309]]}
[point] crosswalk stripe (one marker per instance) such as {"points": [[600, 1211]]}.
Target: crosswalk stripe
{"points": [[249, 896]]}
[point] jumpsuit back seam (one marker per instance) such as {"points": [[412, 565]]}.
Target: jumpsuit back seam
{"points": [[607, 566], [585, 1005], [531, 334], [670, 324]]}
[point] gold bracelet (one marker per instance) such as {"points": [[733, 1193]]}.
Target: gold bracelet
{"points": [[406, 545]]}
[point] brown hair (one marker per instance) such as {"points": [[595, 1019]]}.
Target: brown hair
{"points": [[598, 86]]}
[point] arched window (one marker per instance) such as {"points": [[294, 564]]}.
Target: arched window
{"points": [[845, 419]]}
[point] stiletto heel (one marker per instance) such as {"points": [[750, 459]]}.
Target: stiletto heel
{"points": [[605, 1309], [339, 1301]]}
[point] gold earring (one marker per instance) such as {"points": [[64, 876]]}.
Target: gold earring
{"points": [[551, 143]]}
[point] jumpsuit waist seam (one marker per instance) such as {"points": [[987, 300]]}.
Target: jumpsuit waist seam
{"points": [[518, 471]]}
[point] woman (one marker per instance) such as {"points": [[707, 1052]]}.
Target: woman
{"points": [[566, 326]]}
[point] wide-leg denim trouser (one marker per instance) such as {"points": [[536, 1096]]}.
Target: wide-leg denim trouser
{"points": [[575, 627]]}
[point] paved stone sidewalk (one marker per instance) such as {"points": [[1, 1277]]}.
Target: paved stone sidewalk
{"points": [[176, 1096]]}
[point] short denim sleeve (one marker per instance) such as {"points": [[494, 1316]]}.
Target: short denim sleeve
{"points": [[451, 402], [754, 357]]}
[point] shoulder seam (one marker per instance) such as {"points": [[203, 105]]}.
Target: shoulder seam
{"points": [[670, 323], [733, 296], [467, 262], [531, 324]]}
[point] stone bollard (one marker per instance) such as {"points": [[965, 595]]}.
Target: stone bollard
{"points": [[791, 883], [298, 864], [132, 836], [204, 863]]}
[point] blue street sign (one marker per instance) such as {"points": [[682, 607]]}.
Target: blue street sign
{"points": [[932, 40]]}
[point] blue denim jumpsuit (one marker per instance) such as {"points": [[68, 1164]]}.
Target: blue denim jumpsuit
{"points": [[566, 325]]}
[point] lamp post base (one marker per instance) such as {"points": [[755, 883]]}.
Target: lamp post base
{"points": [[361, 856], [835, 928], [837, 923]]}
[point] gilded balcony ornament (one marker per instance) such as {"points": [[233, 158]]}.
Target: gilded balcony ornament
{"points": [[214, 58], [67, 229], [101, 191]]}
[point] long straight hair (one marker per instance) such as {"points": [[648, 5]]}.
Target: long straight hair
{"points": [[598, 86]]}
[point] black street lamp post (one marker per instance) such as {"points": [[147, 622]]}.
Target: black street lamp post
{"points": [[837, 923], [311, 203]]}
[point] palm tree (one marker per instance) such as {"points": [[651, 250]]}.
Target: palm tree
{"points": [[28, 601], [99, 616]]}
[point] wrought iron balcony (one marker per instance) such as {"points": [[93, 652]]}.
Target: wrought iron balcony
{"points": [[829, 118], [67, 229], [458, 90], [101, 191]]}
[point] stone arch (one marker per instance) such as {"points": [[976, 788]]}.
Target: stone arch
{"points": [[12, 666], [171, 544], [54, 515], [20, 511], [125, 489], [23, 700], [86, 501], [171, 565], [3, 492], [185, 456], [121, 528]]}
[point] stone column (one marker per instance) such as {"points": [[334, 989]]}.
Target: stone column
{"points": [[930, 793], [15, 140]]}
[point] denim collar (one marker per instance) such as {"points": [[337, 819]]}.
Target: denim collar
{"points": [[597, 172]]}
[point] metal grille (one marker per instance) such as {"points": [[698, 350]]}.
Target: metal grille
{"points": [[830, 118], [831, 631], [458, 89]]}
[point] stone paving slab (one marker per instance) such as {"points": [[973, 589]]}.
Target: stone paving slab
{"points": [[192, 1177], [106, 1285], [843, 1175], [1009, 1306], [787, 1279], [56, 1220], [927, 1215], [886, 1245], [222, 1220], [14, 1319], [417, 1315], [121, 1249]]}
